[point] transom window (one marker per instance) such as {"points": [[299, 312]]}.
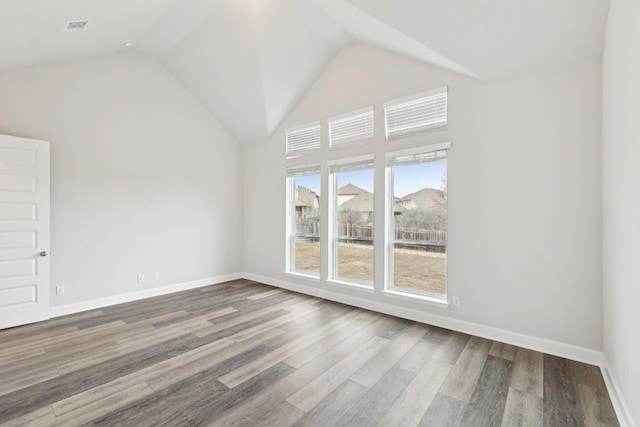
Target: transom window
{"points": [[415, 114], [351, 129], [303, 139]]}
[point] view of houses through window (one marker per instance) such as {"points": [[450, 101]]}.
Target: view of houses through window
{"points": [[419, 225]]}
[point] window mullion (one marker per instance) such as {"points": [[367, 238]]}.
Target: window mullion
{"points": [[324, 216]]}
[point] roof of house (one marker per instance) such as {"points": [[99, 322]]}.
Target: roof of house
{"points": [[427, 198], [350, 190], [306, 197], [363, 202]]}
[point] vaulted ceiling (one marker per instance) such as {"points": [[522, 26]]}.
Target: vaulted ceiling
{"points": [[250, 61]]}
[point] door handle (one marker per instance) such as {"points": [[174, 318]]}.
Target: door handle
{"points": [[44, 253]]}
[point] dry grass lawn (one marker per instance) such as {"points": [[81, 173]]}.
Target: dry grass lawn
{"points": [[415, 270]]}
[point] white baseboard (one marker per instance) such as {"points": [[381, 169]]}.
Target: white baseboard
{"points": [[555, 348], [63, 310], [617, 399]]}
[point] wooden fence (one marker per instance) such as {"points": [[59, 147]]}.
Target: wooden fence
{"points": [[308, 228], [409, 237], [421, 235], [355, 232]]}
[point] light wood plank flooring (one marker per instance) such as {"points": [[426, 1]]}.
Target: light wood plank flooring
{"points": [[246, 354]]}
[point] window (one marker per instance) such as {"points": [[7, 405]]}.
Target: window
{"points": [[351, 129], [352, 208], [303, 219], [303, 139], [420, 113], [411, 261], [417, 221]]}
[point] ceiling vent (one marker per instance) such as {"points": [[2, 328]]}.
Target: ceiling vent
{"points": [[76, 25]]}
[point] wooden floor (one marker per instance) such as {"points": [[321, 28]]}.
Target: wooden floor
{"points": [[243, 353]]}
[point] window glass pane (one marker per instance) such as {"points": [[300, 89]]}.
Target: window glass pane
{"points": [[420, 227], [307, 255], [353, 257], [305, 239]]}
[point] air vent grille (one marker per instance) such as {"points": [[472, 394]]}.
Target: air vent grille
{"points": [[76, 25]]}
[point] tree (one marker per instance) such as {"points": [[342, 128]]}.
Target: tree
{"points": [[348, 216], [427, 219]]}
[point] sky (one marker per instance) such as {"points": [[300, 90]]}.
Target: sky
{"points": [[406, 179]]}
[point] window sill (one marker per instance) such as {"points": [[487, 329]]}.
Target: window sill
{"points": [[351, 285], [301, 275], [407, 296]]}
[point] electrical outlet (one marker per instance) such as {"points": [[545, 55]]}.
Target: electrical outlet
{"points": [[59, 290], [456, 301], [140, 277], [156, 275]]}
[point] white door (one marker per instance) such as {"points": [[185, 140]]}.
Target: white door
{"points": [[24, 231]]}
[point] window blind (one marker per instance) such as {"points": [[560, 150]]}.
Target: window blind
{"points": [[350, 166], [420, 113], [354, 128], [412, 159], [303, 138], [310, 169]]}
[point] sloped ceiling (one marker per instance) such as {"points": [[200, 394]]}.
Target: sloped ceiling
{"points": [[250, 61], [499, 39]]}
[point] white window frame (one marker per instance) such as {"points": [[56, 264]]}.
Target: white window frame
{"points": [[389, 288], [291, 231], [332, 222]]}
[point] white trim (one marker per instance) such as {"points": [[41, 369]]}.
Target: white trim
{"points": [[304, 169], [345, 284], [302, 275], [332, 207], [555, 348], [619, 405], [346, 160], [411, 296], [63, 310], [420, 150]]}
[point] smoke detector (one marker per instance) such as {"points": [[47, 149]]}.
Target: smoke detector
{"points": [[76, 25]]}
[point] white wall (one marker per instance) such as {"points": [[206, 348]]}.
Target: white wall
{"points": [[143, 178], [621, 199], [524, 190]]}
